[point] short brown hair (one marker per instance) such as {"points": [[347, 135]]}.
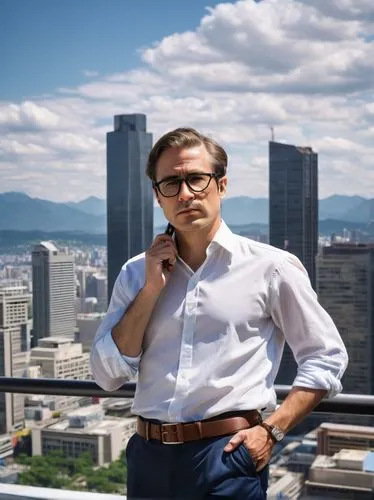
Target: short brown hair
{"points": [[186, 138]]}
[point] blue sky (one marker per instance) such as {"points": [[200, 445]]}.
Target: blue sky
{"points": [[50, 42], [304, 67]]}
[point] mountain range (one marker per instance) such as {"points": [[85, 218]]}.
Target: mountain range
{"points": [[20, 212]]}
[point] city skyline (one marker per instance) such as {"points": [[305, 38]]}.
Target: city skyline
{"points": [[232, 71]]}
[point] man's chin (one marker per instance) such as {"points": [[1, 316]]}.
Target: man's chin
{"points": [[194, 224]]}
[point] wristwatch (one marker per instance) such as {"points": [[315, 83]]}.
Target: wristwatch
{"points": [[275, 432]]}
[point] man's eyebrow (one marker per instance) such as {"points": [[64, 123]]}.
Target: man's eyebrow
{"points": [[177, 177], [170, 177]]}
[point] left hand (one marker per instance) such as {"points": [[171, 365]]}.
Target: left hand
{"points": [[258, 442]]}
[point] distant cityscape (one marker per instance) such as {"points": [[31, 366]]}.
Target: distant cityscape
{"points": [[56, 280]]}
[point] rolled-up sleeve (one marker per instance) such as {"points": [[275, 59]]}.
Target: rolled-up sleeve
{"points": [[307, 328], [109, 367]]}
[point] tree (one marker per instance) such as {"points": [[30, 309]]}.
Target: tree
{"points": [[54, 470]]}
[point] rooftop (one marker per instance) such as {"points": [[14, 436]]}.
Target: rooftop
{"points": [[54, 341], [357, 429], [101, 427], [48, 245], [90, 315]]}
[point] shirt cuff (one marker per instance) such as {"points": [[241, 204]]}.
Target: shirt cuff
{"points": [[118, 364], [322, 374]]}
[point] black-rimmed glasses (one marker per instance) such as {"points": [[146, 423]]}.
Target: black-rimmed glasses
{"points": [[197, 183]]}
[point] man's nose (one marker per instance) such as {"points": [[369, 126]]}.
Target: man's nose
{"points": [[185, 192]]}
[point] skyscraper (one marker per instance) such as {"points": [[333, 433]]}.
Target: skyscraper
{"points": [[97, 286], [293, 198], [346, 291], [293, 214], [129, 192], [53, 291], [14, 335]]}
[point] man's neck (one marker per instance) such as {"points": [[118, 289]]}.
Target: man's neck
{"points": [[192, 245]]}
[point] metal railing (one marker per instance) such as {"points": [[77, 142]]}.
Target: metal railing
{"points": [[343, 403]]}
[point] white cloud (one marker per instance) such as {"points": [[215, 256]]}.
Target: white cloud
{"points": [[27, 116], [305, 67], [90, 74]]}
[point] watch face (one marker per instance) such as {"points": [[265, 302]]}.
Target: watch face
{"points": [[278, 434]]}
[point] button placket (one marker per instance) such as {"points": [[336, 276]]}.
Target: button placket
{"points": [[186, 353]]}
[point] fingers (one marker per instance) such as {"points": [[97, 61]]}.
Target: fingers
{"points": [[163, 238], [261, 464], [165, 253], [159, 248], [234, 442], [161, 241]]}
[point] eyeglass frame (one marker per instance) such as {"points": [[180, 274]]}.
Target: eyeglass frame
{"points": [[212, 175]]}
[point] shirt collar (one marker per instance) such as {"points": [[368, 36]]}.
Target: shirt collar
{"points": [[224, 238]]}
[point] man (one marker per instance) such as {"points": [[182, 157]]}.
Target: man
{"points": [[202, 317]]}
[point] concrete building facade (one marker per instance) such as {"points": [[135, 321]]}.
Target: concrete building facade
{"points": [[14, 339], [88, 325], [340, 476], [54, 291], [331, 438], [85, 429], [61, 358]]}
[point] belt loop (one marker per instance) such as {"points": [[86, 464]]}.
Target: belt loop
{"points": [[147, 426], [199, 429]]}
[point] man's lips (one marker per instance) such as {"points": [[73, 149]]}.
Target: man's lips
{"points": [[187, 210]]}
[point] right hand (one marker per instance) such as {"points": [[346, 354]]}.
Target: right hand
{"points": [[156, 272]]}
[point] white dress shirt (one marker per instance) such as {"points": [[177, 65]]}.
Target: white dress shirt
{"points": [[216, 336]]}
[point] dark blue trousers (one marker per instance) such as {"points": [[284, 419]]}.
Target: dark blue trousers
{"points": [[193, 471]]}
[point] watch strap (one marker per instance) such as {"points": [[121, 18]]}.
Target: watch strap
{"points": [[269, 428]]}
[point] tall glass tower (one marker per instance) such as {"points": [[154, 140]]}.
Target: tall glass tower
{"points": [[129, 192], [293, 198], [293, 217]]}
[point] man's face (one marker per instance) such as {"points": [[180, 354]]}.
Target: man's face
{"points": [[188, 210]]}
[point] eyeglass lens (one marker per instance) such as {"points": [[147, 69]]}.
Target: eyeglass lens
{"points": [[195, 182]]}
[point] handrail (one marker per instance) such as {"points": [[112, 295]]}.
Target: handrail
{"points": [[343, 403]]}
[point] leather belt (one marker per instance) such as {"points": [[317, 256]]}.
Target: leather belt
{"points": [[178, 433]]}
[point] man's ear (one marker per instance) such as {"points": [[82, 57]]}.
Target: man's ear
{"points": [[157, 197], [222, 187]]}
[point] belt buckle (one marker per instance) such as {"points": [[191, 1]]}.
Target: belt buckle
{"points": [[178, 433]]}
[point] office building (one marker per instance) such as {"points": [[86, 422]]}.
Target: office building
{"points": [[346, 291], [85, 429], [349, 474], [289, 486], [88, 324], [293, 216], [61, 358], [14, 340], [293, 198], [332, 437], [97, 286], [129, 192], [54, 291]]}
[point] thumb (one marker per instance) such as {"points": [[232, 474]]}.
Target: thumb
{"points": [[234, 442]]}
